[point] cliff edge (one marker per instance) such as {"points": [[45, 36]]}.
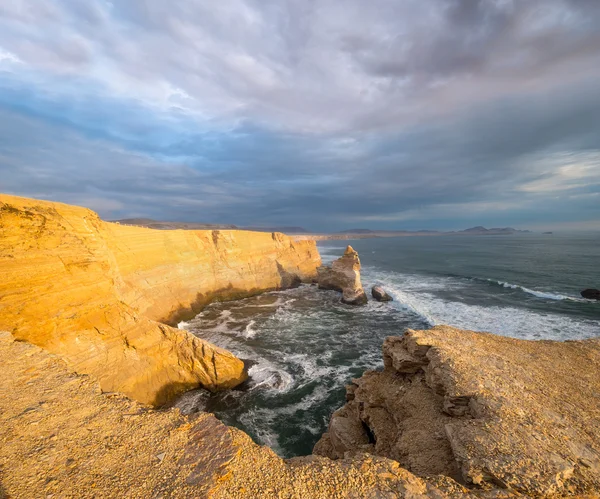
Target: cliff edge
{"points": [[488, 411], [101, 294]]}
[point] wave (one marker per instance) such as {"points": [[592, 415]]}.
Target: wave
{"points": [[540, 294], [249, 332], [419, 295], [266, 375]]}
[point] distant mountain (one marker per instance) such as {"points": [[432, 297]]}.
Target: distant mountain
{"points": [[386, 232], [155, 224], [357, 231], [480, 230], [285, 230]]}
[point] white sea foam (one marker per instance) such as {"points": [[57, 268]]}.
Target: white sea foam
{"points": [[249, 332], [414, 292], [540, 294], [265, 375], [183, 325]]}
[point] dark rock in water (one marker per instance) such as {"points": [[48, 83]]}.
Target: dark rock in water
{"points": [[358, 299], [344, 276], [380, 294], [591, 294]]}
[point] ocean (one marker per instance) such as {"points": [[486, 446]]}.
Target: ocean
{"points": [[304, 346]]}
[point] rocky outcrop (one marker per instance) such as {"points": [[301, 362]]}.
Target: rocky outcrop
{"points": [[101, 294], [380, 294], [591, 294], [344, 276], [61, 437], [491, 412]]}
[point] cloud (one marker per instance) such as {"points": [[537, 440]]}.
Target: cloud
{"points": [[325, 114]]}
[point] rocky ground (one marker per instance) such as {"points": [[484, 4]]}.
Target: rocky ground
{"points": [[60, 437], [489, 411]]}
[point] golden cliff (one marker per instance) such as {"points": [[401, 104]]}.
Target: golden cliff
{"points": [[101, 295]]}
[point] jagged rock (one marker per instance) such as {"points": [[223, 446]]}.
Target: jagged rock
{"points": [[380, 294], [486, 410], [198, 456], [344, 276], [100, 294], [591, 294]]}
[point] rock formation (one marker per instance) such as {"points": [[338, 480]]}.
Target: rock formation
{"points": [[489, 411], [100, 294], [61, 437], [591, 294], [344, 276], [380, 294]]}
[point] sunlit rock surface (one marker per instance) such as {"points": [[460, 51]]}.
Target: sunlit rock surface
{"points": [[344, 276], [61, 437], [489, 411], [100, 294]]}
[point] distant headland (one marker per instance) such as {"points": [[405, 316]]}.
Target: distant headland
{"points": [[300, 233]]}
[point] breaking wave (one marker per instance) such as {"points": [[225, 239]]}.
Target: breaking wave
{"points": [[540, 294]]}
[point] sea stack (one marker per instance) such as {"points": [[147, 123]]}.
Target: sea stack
{"points": [[344, 276]]}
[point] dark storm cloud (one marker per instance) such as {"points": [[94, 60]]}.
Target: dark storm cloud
{"points": [[326, 114]]}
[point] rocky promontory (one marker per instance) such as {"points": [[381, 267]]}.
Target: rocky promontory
{"points": [[104, 296], [344, 276], [490, 412], [453, 414]]}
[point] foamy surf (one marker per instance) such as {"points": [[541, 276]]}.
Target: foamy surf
{"points": [[540, 294], [305, 345], [422, 296]]}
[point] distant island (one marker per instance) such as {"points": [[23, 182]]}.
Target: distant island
{"points": [[300, 233]]}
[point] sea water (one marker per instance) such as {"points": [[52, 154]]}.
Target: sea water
{"points": [[304, 346]]}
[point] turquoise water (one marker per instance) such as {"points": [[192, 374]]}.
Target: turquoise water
{"points": [[304, 345]]}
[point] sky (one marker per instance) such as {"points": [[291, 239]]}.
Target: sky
{"points": [[331, 115]]}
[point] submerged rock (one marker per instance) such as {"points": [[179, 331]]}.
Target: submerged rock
{"points": [[486, 410], [344, 276], [380, 294], [591, 294]]}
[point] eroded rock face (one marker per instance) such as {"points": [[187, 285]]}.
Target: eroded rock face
{"points": [[490, 411], [380, 294], [344, 276], [99, 293], [48, 450]]}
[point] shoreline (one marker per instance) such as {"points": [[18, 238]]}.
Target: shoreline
{"points": [[453, 413]]}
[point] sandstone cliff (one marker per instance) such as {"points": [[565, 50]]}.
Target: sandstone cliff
{"points": [[489, 411], [61, 437], [344, 276], [100, 294]]}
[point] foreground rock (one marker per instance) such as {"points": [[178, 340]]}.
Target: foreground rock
{"points": [[489, 411], [61, 437], [380, 294], [344, 276], [100, 294], [591, 294]]}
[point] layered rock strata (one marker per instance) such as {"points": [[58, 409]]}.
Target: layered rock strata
{"points": [[100, 294], [344, 276], [61, 437], [489, 411]]}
